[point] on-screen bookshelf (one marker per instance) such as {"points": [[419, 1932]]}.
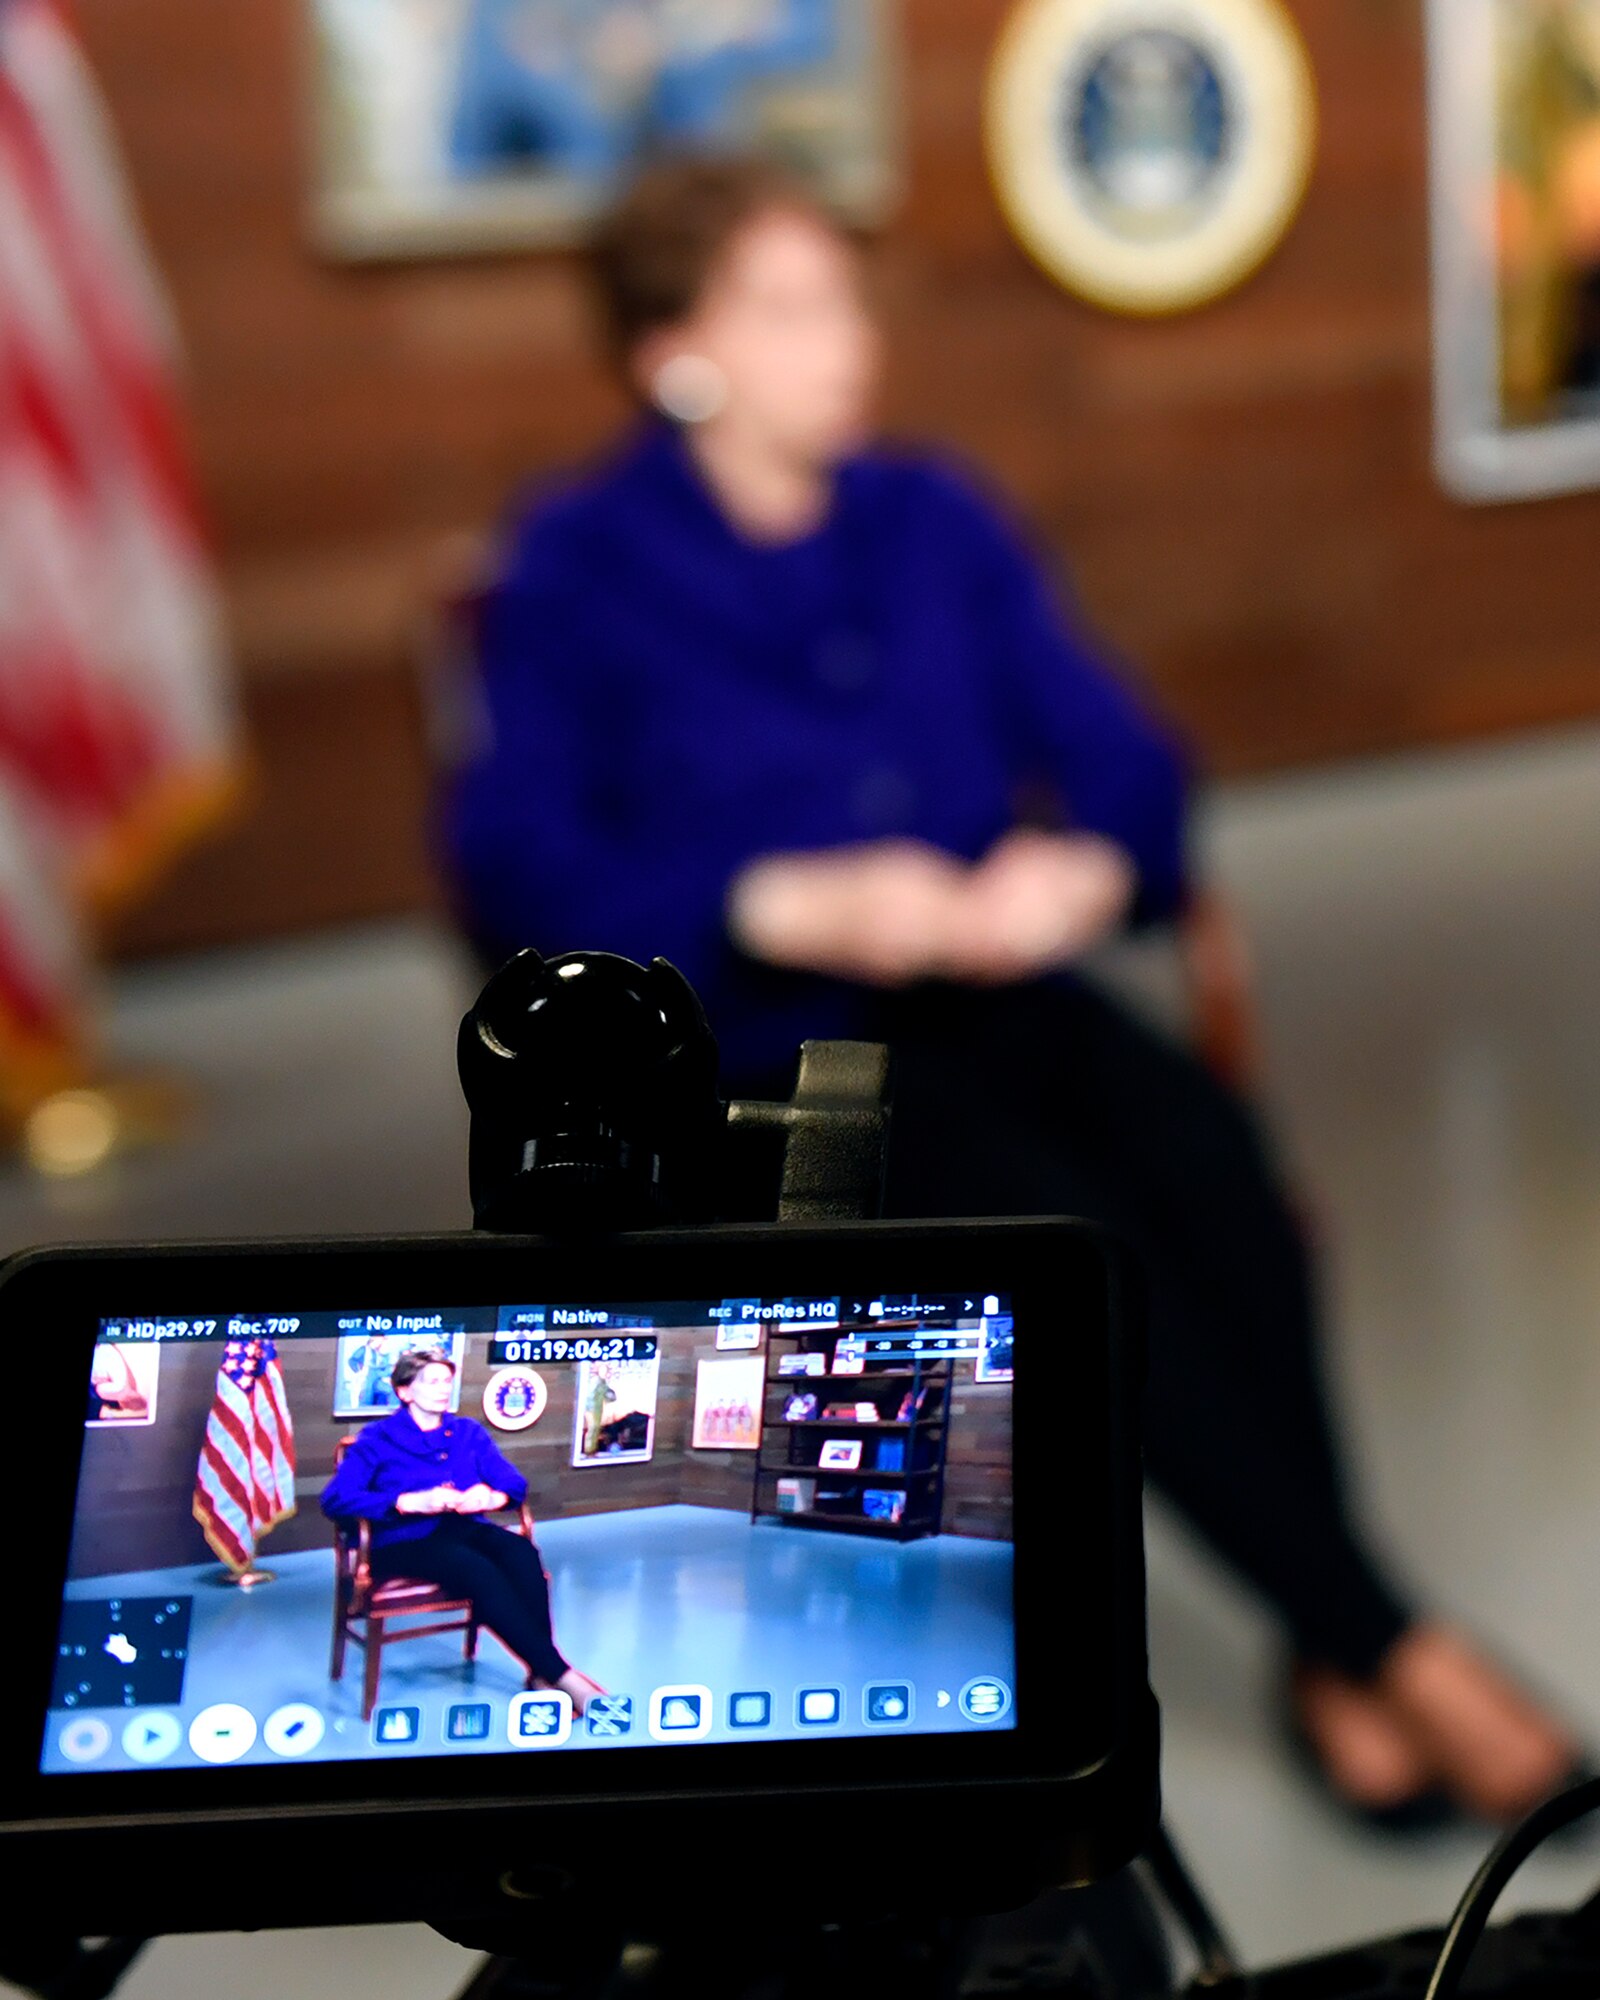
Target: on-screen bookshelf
{"points": [[846, 1447]]}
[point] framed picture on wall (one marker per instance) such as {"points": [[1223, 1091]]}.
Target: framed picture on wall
{"points": [[727, 1403], [614, 1418], [123, 1378], [449, 125], [739, 1338], [995, 1351], [364, 1364], [1514, 113]]}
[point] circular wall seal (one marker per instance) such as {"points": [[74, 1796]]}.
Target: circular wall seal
{"points": [[1149, 154], [514, 1398]]}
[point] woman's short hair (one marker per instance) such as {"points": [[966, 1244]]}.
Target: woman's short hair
{"points": [[411, 1364], [652, 255]]}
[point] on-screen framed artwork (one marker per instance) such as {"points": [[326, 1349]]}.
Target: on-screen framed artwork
{"points": [[996, 1360], [1514, 111], [442, 126], [123, 1380], [728, 1395], [739, 1339], [365, 1362], [614, 1413]]}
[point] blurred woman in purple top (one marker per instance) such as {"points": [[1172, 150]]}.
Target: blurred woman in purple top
{"points": [[803, 713]]}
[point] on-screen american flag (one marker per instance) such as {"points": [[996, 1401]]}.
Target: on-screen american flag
{"points": [[244, 1484], [116, 721]]}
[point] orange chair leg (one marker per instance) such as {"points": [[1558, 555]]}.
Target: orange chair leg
{"points": [[341, 1640], [469, 1645]]}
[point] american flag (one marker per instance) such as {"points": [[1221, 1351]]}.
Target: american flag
{"points": [[244, 1483], [116, 724]]}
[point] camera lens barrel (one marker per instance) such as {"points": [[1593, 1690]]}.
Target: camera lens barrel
{"points": [[592, 1083]]}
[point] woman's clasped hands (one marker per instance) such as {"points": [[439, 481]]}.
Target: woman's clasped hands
{"points": [[898, 912], [479, 1499]]}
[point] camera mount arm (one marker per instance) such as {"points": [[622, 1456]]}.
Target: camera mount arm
{"points": [[592, 1083]]}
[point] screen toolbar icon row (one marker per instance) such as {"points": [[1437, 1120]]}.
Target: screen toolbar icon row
{"points": [[537, 1719]]}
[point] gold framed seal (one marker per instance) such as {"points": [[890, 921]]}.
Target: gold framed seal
{"points": [[1150, 154]]}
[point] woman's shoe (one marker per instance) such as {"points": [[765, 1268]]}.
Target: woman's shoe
{"points": [[1492, 1745], [581, 1688], [1364, 1765]]}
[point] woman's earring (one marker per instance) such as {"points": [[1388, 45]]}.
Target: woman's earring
{"points": [[690, 388]]}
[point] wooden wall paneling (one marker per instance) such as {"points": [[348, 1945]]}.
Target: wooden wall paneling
{"points": [[978, 1496], [137, 1502]]}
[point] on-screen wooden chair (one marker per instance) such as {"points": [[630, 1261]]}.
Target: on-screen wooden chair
{"points": [[365, 1610]]}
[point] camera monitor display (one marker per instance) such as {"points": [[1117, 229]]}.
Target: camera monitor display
{"points": [[396, 1531]]}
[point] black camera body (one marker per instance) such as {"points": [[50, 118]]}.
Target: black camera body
{"points": [[1069, 1793], [839, 1520]]}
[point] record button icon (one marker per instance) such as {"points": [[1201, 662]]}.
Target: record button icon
{"points": [[84, 1738]]}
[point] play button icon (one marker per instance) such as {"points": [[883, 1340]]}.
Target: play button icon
{"points": [[149, 1738], [944, 1698]]}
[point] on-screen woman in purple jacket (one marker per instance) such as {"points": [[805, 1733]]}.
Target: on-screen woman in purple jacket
{"points": [[426, 1478]]}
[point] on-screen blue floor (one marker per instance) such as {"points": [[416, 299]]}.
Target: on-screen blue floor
{"points": [[642, 1599]]}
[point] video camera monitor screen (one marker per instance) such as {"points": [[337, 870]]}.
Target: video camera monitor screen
{"points": [[650, 1522], [459, 1520]]}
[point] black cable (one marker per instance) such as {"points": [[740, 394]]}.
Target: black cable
{"points": [[1477, 1905], [1218, 1960]]}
